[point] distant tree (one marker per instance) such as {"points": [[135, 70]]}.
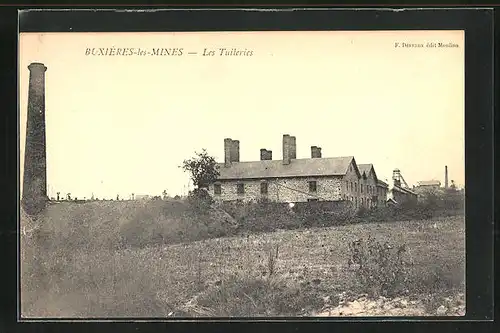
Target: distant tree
{"points": [[58, 198], [117, 197], [92, 197], [68, 196], [165, 194], [202, 168]]}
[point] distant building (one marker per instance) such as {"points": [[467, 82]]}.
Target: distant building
{"points": [[400, 192], [334, 179], [429, 184], [142, 197]]}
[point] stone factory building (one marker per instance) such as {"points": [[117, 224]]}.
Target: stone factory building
{"points": [[292, 180]]}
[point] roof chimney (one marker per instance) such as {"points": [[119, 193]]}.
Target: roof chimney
{"points": [[235, 151], [445, 176], [315, 152], [263, 154], [266, 154], [293, 147], [286, 149], [228, 143]]}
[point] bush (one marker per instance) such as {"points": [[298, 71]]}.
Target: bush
{"points": [[248, 297], [379, 267], [200, 201]]}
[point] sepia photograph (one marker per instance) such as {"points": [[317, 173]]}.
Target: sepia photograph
{"points": [[255, 174]]}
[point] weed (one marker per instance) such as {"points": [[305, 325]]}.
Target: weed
{"points": [[380, 269]]}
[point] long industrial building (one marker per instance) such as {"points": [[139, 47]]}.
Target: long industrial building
{"points": [[293, 180]]}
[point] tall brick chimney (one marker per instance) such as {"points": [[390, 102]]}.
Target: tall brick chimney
{"points": [[445, 176], [315, 152], [286, 149], [293, 147], [235, 151], [228, 144], [35, 158]]}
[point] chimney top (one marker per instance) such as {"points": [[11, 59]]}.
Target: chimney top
{"points": [[37, 66]]}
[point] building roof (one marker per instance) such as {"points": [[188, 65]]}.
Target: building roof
{"points": [[366, 168], [403, 190], [305, 167], [381, 183], [429, 183]]}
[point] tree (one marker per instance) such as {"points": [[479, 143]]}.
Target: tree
{"points": [[203, 169]]}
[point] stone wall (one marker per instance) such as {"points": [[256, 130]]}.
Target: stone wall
{"points": [[282, 190]]}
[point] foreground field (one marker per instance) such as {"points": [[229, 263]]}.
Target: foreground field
{"points": [[285, 273]]}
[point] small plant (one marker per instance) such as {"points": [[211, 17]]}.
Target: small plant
{"points": [[271, 260], [381, 270]]}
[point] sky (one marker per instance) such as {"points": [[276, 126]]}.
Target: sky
{"points": [[118, 125]]}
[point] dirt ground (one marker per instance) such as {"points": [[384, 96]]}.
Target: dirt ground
{"points": [[160, 281]]}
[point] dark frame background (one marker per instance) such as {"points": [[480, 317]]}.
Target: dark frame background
{"points": [[478, 26]]}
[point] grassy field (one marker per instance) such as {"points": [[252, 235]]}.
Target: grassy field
{"points": [[287, 272]]}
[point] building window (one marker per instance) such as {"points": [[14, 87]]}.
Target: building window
{"points": [[217, 189], [312, 200], [351, 187], [361, 186], [241, 188], [312, 186], [263, 188]]}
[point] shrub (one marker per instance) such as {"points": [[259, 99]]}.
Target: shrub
{"points": [[379, 267], [200, 201], [245, 297]]}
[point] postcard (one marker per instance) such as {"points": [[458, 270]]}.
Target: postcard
{"points": [[242, 174]]}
